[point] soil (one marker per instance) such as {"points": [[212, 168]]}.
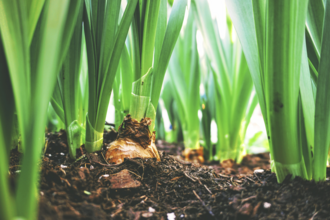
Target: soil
{"points": [[89, 188]]}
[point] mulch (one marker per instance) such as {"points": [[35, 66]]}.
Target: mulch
{"points": [[89, 188]]}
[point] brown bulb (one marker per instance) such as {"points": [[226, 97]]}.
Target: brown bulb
{"points": [[134, 140]]}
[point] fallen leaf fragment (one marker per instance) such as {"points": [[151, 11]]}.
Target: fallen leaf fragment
{"points": [[123, 180], [246, 209]]}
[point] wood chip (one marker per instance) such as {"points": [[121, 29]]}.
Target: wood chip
{"points": [[147, 215], [246, 210], [256, 209], [123, 180], [176, 178]]}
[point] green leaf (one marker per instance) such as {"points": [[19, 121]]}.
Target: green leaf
{"points": [[103, 62], [126, 76], [322, 106], [34, 8], [241, 13], [314, 24], [7, 109], [28, 65], [284, 47], [308, 110], [70, 90], [140, 97], [161, 29], [171, 35], [149, 33]]}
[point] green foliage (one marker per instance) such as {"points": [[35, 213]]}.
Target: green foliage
{"points": [[184, 73], [234, 100], [144, 62], [322, 104], [173, 127], [105, 41], [294, 102], [35, 40], [68, 97]]}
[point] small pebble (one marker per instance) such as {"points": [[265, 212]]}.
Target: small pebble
{"points": [[105, 175], [267, 205], [171, 216], [151, 209], [147, 214], [259, 171]]}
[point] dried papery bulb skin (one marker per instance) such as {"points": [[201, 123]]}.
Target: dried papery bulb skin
{"points": [[134, 140]]}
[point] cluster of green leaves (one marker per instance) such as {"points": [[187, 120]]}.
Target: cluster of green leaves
{"points": [[185, 79], [67, 53], [233, 87], [279, 49], [69, 99], [35, 37], [144, 60], [105, 40]]}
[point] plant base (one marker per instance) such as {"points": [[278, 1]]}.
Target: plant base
{"points": [[194, 155], [134, 140]]}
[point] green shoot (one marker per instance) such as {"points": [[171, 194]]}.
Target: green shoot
{"points": [[104, 41], [233, 83], [185, 76]]}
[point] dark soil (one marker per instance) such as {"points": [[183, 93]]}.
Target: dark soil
{"points": [[88, 188]]}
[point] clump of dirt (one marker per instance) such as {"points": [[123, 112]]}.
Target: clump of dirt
{"points": [[89, 188]]}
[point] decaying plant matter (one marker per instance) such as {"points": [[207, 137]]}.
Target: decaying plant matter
{"points": [[134, 140]]}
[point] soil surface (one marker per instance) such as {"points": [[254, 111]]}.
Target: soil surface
{"points": [[89, 188]]}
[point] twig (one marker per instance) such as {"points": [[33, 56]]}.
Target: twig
{"points": [[134, 174], [223, 175], [196, 178], [84, 155], [189, 177], [231, 180], [247, 199], [250, 179], [314, 215], [104, 158], [107, 165], [208, 189], [180, 160], [63, 171], [142, 170], [257, 177], [199, 198]]}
